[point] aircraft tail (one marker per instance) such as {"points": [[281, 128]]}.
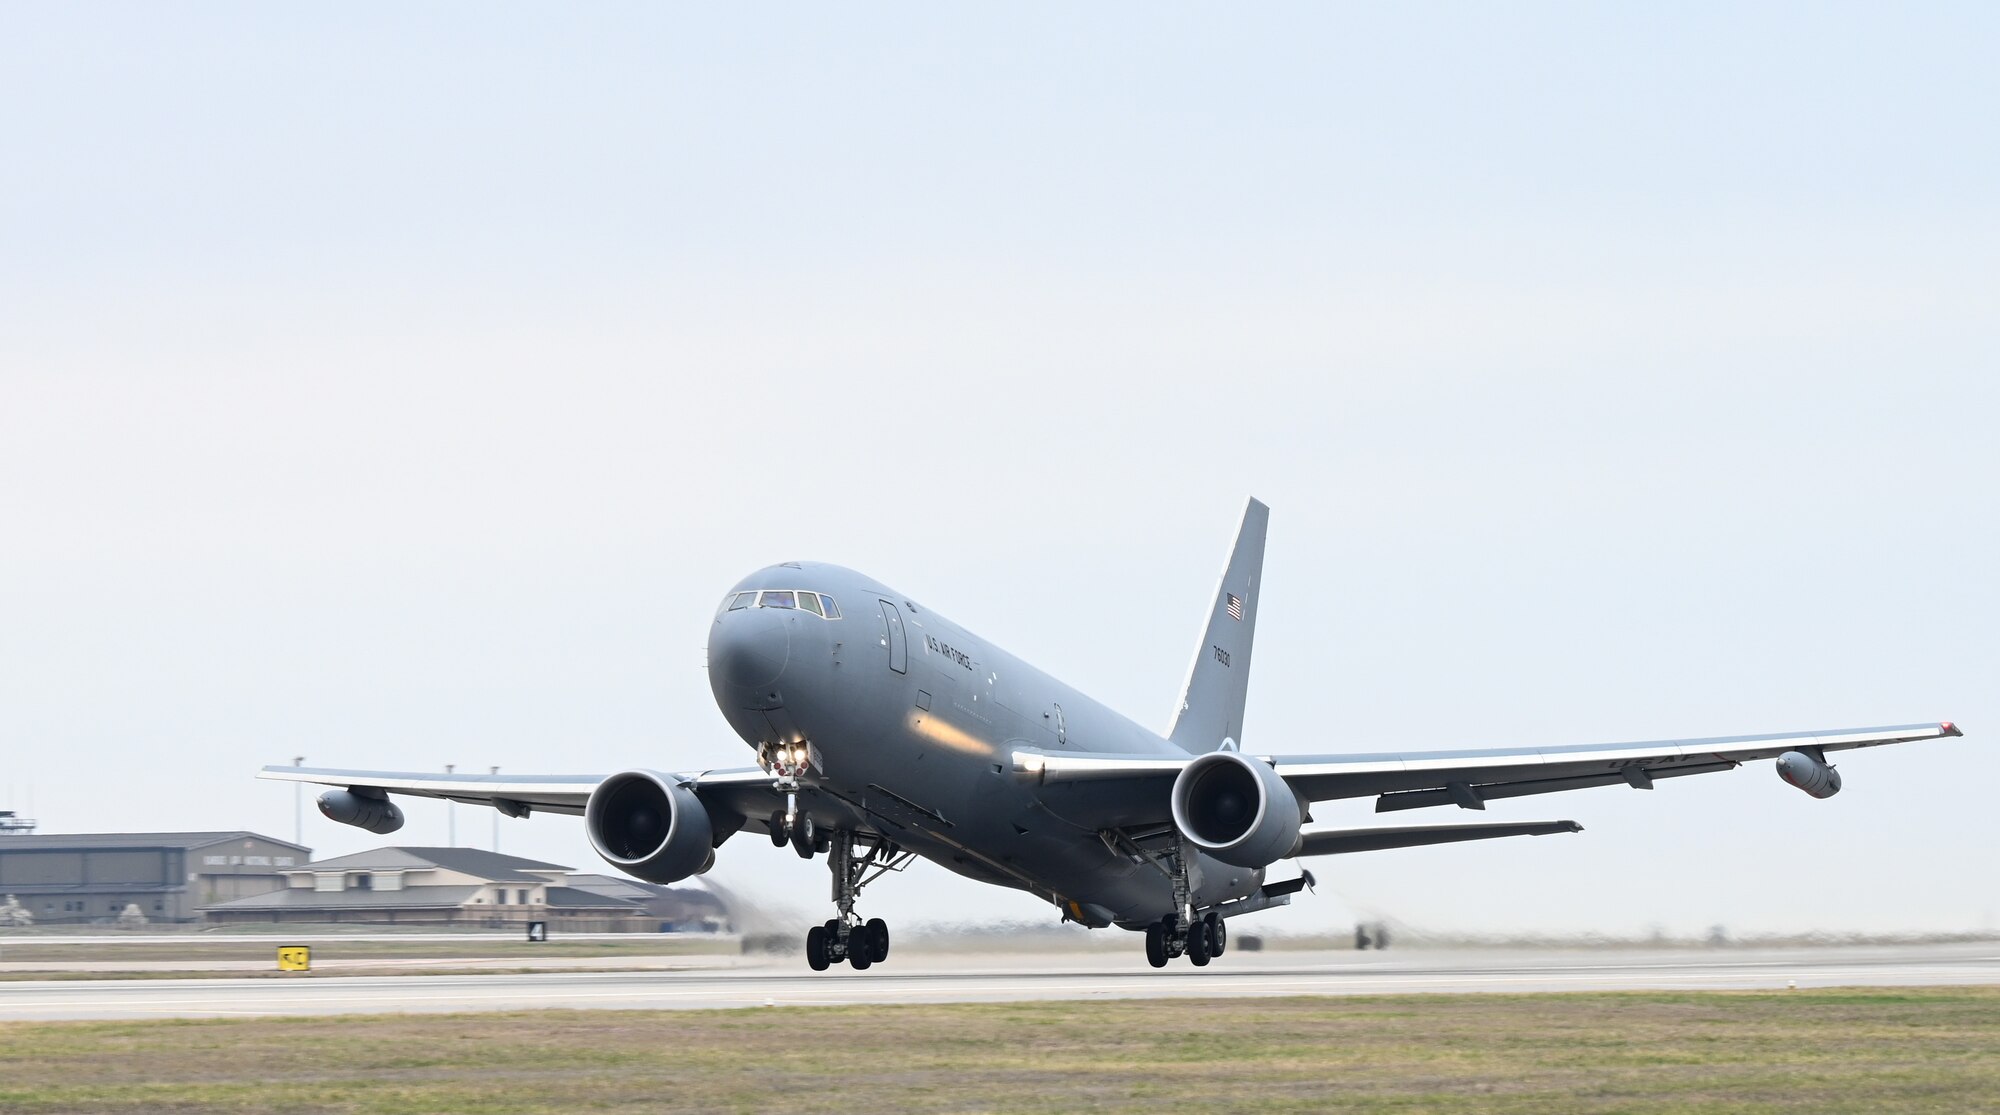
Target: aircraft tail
{"points": [[1210, 715]]}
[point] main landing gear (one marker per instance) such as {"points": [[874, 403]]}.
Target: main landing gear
{"points": [[1199, 936], [1200, 939], [846, 937]]}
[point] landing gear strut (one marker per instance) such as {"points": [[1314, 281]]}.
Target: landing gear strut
{"points": [[1199, 937], [847, 937]]}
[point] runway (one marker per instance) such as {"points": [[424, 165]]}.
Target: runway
{"points": [[949, 978]]}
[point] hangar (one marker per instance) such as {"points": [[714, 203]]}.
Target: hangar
{"points": [[81, 878]]}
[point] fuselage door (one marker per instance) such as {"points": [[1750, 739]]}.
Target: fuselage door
{"points": [[892, 630]]}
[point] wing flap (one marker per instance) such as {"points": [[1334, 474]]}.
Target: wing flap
{"points": [[1341, 841]]}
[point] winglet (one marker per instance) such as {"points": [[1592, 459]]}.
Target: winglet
{"points": [[1950, 729]]}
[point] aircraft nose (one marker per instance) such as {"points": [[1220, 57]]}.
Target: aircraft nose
{"points": [[749, 647]]}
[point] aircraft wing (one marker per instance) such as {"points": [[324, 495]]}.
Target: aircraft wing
{"points": [[745, 793], [1466, 778]]}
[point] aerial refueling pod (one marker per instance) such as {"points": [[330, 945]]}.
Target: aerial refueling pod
{"points": [[1809, 774], [650, 826], [362, 809], [1237, 809]]}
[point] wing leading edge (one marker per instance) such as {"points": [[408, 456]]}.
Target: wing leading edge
{"points": [[515, 795]]}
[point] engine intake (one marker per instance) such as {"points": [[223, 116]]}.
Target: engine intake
{"points": [[374, 812], [650, 826], [1237, 809]]}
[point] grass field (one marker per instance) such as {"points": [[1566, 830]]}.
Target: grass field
{"points": [[1806, 1051]]}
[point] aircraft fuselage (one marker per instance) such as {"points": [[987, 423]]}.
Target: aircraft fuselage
{"points": [[911, 722]]}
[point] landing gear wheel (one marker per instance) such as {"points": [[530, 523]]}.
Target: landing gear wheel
{"points": [[802, 836], [1218, 933], [876, 932], [859, 953], [816, 948], [1156, 945], [1197, 946], [777, 823]]}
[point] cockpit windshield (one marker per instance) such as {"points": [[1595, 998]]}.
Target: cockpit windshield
{"points": [[818, 603]]}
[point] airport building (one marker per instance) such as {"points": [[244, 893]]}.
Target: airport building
{"points": [[86, 878], [469, 888]]}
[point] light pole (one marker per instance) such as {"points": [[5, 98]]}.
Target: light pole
{"points": [[299, 806], [451, 813], [496, 817]]}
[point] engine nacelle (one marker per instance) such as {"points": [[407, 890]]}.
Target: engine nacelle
{"points": [[373, 812], [1809, 774], [650, 826], [1236, 809]]}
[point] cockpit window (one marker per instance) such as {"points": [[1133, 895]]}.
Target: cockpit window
{"points": [[818, 603]]}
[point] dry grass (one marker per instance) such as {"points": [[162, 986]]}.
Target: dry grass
{"points": [[1806, 1051]]}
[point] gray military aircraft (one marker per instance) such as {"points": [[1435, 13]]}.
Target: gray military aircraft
{"points": [[884, 731]]}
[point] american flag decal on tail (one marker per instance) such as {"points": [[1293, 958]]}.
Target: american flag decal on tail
{"points": [[1235, 606]]}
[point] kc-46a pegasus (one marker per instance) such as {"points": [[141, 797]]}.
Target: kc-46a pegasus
{"points": [[883, 731]]}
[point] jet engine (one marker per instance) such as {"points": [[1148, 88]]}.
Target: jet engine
{"points": [[1809, 774], [1236, 809], [374, 812], [650, 826]]}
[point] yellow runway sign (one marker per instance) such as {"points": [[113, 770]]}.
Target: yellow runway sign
{"points": [[295, 958]]}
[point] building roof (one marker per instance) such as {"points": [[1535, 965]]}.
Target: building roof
{"points": [[577, 899], [610, 886], [58, 841], [477, 862]]}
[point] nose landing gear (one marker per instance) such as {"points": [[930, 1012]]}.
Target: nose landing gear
{"points": [[847, 937]]}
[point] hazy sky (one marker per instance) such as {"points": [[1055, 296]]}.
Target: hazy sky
{"points": [[403, 386]]}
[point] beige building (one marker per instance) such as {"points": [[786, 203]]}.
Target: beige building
{"points": [[467, 887]]}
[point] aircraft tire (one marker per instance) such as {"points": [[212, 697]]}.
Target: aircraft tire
{"points": [[1218, 934], [802, 836], [1197, 946], [816, 948], [1156, 945], [778, 828], [859, 954], [878, 939]]}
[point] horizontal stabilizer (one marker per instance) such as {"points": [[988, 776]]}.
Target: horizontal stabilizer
{"points": [[1338, 841]]}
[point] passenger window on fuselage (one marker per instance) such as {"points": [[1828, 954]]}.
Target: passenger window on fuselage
{"points": [[832, 609], [777, 600], [810, 603], [742, 600]]}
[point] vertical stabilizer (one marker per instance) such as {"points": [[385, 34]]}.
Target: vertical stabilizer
{"points": [[1211, 708]]}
